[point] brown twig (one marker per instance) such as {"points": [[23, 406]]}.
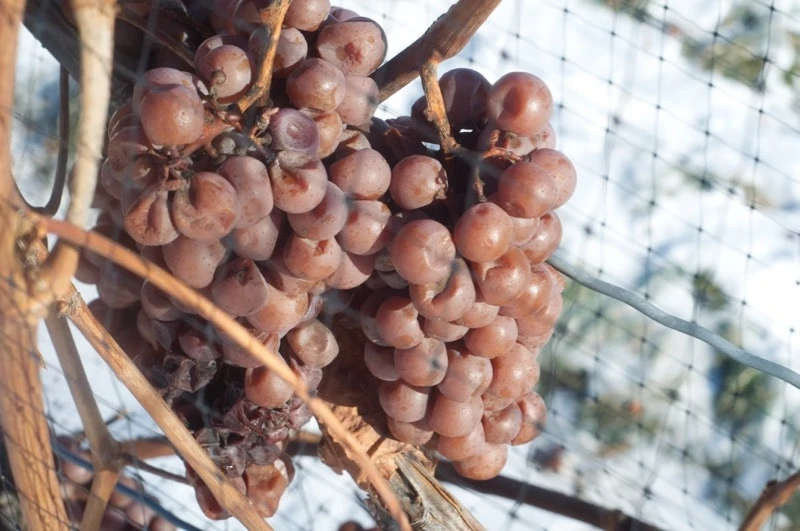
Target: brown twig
{"points": [[183, 294], [774, 496], [148, 448], [436, 112], [25, 428], [443, 40], [95, 20], [271, 21], [106, 455], [226, 494]]}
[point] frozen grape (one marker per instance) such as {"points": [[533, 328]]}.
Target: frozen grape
{"points": [[545, 241], [207, 208], [418, 180], [403, 402], [380, 362], [424, 364], [258, 241], [494, 339], [281, 313], [562, 170], [519, 102], [452, 418], [467, 375], [443, 330], [417, 433], [361, 99], [316, 84], [458, 448], [264, 387], [193, 261], [502, 426], [313, 343], [483, 233], [423, 251], [294, 137], [363, 174], [485, 464], [448, 299], [311, 259], [172, 115], [534, 415], [239, 288], [514, 373], [527, 190], [227, 71], [502, 280], [250, 179], [307, 15], [325, 220], [356, 45], [353, 271], [365, 232], [297, 190], [396, 322]]}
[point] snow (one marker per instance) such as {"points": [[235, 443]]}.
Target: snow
{"points": [[636, 117]]}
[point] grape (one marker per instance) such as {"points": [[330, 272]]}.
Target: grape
{"points": [[363, 174], [447, 299], [313, 343], [276, 272], [424, 364], [465, 92], [148, 221], [353, 271], [545, 241], [534, 297], [356, 45], [544, 321], [417, 180], [494, 339], [527, 190], [126, 146], [523, 230], [207, 208], [458, 448], [330, 128], [311, 259], [483, 233], [396, 323], [562, 170], [340, 14], [233, 354], [239, 288], [108, 180], [502, 426], [514, 373], [227, 71], [151, 79], [266, 484], [157, 305], [494, 404], [467, 375], [292, 49], [380, 362], [423, 251], [535, 342], [364, 232], [257, 242], [298, 190], [403, 402], [316, 84], [360, 102], [519, 102], [307, 15], [208, 504], [481, 314], [485, 464], [534, 415], [193, 261], [214, 42], [443, 330], [451, 418], [326, 219], [416, 433], [503, 280], [139, 515], [198, 346], [294, 137], [172, 115], [264, 387], [124, 116], [281, 313], [250, 179]]}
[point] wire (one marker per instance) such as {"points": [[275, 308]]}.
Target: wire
{"points": [[67, 455], [676, 323]]}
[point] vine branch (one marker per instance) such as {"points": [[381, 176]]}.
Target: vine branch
{"points": [[683, 326]]}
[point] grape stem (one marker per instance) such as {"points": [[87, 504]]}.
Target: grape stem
{"points": [[688, 328], [271, 21]]}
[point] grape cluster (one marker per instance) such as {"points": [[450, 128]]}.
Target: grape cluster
{"points": [[306, 206], [463, 300]]}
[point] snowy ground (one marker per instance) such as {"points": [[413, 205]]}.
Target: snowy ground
{"points": [[636, 117]]}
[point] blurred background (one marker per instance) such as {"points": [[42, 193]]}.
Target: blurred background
{"points": [[683, 120]]}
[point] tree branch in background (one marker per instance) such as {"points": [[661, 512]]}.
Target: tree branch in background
{"points": [[444, 39], [774, 496], [106, 454], [705, 335], [95, 20]]}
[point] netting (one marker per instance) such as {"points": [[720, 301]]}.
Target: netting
{"points": [[682, 121]]}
